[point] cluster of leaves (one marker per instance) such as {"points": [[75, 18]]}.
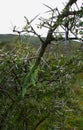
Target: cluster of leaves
{"points": [[49, 101]]}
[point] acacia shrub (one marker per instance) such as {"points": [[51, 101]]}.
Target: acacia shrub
{"points": [[50, 100]]}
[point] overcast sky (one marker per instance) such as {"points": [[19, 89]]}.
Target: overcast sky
{"points": [[12, 12]]}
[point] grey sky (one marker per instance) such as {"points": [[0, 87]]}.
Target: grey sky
{"points": [[12, 12]]}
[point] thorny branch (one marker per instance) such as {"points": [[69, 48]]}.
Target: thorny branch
{"points": [[65, 13]]}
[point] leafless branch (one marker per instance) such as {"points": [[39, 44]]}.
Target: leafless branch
{"points": [[49, 38], [32, 29]]}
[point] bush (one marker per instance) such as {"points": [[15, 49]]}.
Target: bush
{"points": [[50, 100]]}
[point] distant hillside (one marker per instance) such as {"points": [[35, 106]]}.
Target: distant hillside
{"points": [[7, 38], [11, 38]]}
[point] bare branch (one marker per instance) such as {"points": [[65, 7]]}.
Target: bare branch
{"points": [[47, 41], [48, 7], [33, 30], [70, 3]]}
